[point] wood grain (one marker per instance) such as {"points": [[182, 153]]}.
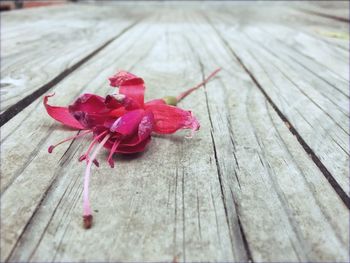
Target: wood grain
{"points": [[316, 105], [265, 155], [243, 189], [56, 41], [167, 188]]}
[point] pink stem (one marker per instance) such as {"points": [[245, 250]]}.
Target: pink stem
{"points": [[189, 91], [87, 213]]}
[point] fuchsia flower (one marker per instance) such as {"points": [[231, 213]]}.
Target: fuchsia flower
{"points": [[121, 122]]}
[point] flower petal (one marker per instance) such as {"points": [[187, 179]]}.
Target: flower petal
{"points": [[130, 85], [169, 119], [138, 141], [155, 101], [89, 103], [90, 110], [128, 124], [120, 100], [145, 129], [61, 114], [135, 148], [90, 120], [140, 147], [121, 76]]}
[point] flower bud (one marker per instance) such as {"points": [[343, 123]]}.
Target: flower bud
{"points": [[170, 100]]}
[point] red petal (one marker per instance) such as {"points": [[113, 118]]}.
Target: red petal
{"points": [[140, 147], [121, 76], [154, 102], [89, 103], [130, 85], [128, 123], [112, 102], [135, 148], [61, 114], [145, 129], [90, 110], [120, 100], [169, 119], [138, 142], [146, 126]]}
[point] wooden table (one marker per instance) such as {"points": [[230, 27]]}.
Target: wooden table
{"points": [[266, 177]]}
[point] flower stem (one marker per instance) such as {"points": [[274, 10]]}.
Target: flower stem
{"points": [[189, 91], [87, 213]]}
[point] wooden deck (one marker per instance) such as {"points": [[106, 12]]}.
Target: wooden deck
{"points": [[264, 180]]}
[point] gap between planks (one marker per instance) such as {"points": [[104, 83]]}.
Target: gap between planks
{"points": [[13, 110], [182, 190], [333, 182]]}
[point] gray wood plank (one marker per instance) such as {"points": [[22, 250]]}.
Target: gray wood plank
{"points": [[316, 105], [337, 10], [171, 225], [242, 189], [39, 45], [265, 155]]}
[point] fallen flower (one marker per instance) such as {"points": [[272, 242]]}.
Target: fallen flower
{"points": [[122, 122]]}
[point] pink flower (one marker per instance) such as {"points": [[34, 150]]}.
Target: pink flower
{"points": [[122, 122]]}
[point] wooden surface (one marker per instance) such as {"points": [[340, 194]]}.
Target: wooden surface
{"points": [[264, 180]]}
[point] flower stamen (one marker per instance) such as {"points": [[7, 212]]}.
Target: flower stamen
{"points": [[85, 156], [110, 156], [87, 213], [50, 149]]}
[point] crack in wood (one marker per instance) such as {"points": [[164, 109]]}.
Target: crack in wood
{"points": [[337, 18], [13, 110], [341, 193]]}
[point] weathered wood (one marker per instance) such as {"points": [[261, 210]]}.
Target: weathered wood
{"points": [[37, 53], [266, 163], [336, 10], [165, 216], [329, 31], [242, 189], [317, 106]]}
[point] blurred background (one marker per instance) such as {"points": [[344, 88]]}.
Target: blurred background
{"points": [[6, 5]]}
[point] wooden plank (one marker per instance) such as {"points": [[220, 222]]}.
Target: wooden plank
{"points": [[327, 56], [337, 10], [171, 226], [243, 188], [267, 160], [317, 109], [326, 30], [41, 46]]}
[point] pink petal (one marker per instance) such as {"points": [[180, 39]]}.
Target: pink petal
{"points": [[144, 131], [135, 148], [89, 103], [169, 119], [130, 85], [120, 100], [133, 89], [125, 148], [127, 124], [154, 102], [61, 114], [121, 76], [90, 110], [139, 140], [112, 102], [146, 126], [90, 120]]}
